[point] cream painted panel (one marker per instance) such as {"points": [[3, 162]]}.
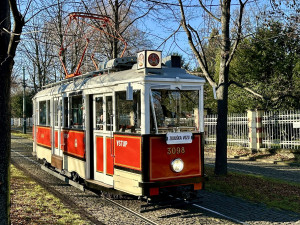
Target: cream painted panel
{"points": [[43, 153], [127, 182], [72, 164]]}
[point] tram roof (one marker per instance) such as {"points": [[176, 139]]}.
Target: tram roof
{"points": [[88, 81]]}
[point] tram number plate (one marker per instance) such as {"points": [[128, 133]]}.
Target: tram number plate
{"points": [[179, 138], [175, 150]]}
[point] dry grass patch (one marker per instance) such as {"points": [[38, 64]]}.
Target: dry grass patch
{"points": [[31, 204]]}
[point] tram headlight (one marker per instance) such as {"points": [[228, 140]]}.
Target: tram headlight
{"points": [[177, 165]]}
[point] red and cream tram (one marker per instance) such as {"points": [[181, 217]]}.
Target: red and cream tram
{"points": [[135, 126]]}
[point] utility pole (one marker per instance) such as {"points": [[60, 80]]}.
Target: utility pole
{"points": [[24, 103]]}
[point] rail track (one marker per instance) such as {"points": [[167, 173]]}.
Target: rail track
{"points": [[142, 218], [66, 200]]}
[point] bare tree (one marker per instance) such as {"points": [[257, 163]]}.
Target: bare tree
{"points": [[38, 54], [124, 14], [227, 48], [9, 40]]}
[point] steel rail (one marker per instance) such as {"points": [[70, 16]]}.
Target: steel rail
{"points": [[135, 213], [131, 211], [73, 204]]}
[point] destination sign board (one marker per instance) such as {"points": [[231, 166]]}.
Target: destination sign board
{"points": [[179, 138]]}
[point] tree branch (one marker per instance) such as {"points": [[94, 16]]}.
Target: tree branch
{"points": [[19, 22], [201, 46], [193, 47], [262, 97], [137, 18], [209, 12], [239, 32], [248, 89], [169, 36]]}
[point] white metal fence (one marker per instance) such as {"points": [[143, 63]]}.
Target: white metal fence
{"points": [[18, 122], [237, 129], [278, 129], [281, 129]]}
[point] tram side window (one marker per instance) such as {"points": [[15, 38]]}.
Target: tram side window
{"points": [[109, 113], [66, 112], [56, 107], [128, 112], [42, 113], [48, 113], [99, 113], [60, 113], [76, 111]]}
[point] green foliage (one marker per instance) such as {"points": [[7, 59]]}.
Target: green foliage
{"points": [[268, 63], [17, 104]]}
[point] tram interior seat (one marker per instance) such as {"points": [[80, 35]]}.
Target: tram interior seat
{"points": [[127, 129]]}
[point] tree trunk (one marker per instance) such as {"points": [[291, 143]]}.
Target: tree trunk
{"points": [[5, 72], [221, 146], [116, 27], [222, 93]]}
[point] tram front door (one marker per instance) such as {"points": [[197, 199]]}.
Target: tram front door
{"points": [[103, 138]]}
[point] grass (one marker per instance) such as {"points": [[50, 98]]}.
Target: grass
{"points": [[20, 134], [31, 204], [273, 193]]}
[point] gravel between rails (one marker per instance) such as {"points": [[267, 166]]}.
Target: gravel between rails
{"points": [[100, 211]]}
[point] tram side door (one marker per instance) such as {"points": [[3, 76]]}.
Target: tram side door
{"points": [[103, 138], [57, 121]]}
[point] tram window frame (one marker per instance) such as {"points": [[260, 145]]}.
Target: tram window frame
{"points": [[128, 112], [174, 111], [56, 111], [43, 113], [60, 112], [76, 111], [99, 107], [48, 113], [109, 113], [66, 111]]}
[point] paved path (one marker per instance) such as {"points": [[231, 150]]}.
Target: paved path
{"points": [[249, 212], [287, 173]]}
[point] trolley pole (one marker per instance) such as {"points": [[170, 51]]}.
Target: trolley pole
{"points": [[24, 103]]}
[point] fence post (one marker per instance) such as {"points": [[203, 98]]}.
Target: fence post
{"points": [[251, 114], [205, 127], [255, 129], [259, 130]]}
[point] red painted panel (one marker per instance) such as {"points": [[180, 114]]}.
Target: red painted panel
{"points": [[161, 156], [99, 156], [43, 136], [128, 151], [56, 138], [109, 157], [73, 143]]}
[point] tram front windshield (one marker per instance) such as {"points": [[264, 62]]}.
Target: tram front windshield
{"points": [[174, 111]]}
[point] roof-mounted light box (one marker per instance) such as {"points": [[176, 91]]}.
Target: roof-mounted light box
{"points": [[149, 60]]}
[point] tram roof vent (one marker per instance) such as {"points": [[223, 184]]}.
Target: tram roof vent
{"points": [[118, 64], [172, 61]]}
